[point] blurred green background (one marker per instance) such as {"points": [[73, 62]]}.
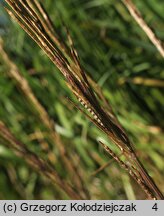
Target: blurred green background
{"points": [[119, 57]]}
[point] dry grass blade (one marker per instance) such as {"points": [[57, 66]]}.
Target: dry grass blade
{"points": [[37, 163], [139, 19], [131, 172], [79, 87], [79, 84]]}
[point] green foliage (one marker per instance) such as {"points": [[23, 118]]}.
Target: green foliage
{"points": [[114, 51]]}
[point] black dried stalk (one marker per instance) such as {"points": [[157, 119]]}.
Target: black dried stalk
{"points": [[31, 16]]}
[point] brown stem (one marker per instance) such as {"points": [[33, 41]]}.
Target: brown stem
{"points": [[139, 19], [148, 179], [130, 171]]}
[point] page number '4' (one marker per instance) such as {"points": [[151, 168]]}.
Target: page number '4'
{"points": [[155, 207]]}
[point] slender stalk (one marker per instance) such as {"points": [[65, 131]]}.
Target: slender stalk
{"points": [[93, 102], [148, 179], [132, 173], [141, 22]]}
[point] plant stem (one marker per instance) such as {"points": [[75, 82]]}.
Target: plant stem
{"points": [[141, 22]]}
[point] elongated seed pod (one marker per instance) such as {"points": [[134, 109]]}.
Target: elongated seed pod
{"points": [[90, 111]]}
